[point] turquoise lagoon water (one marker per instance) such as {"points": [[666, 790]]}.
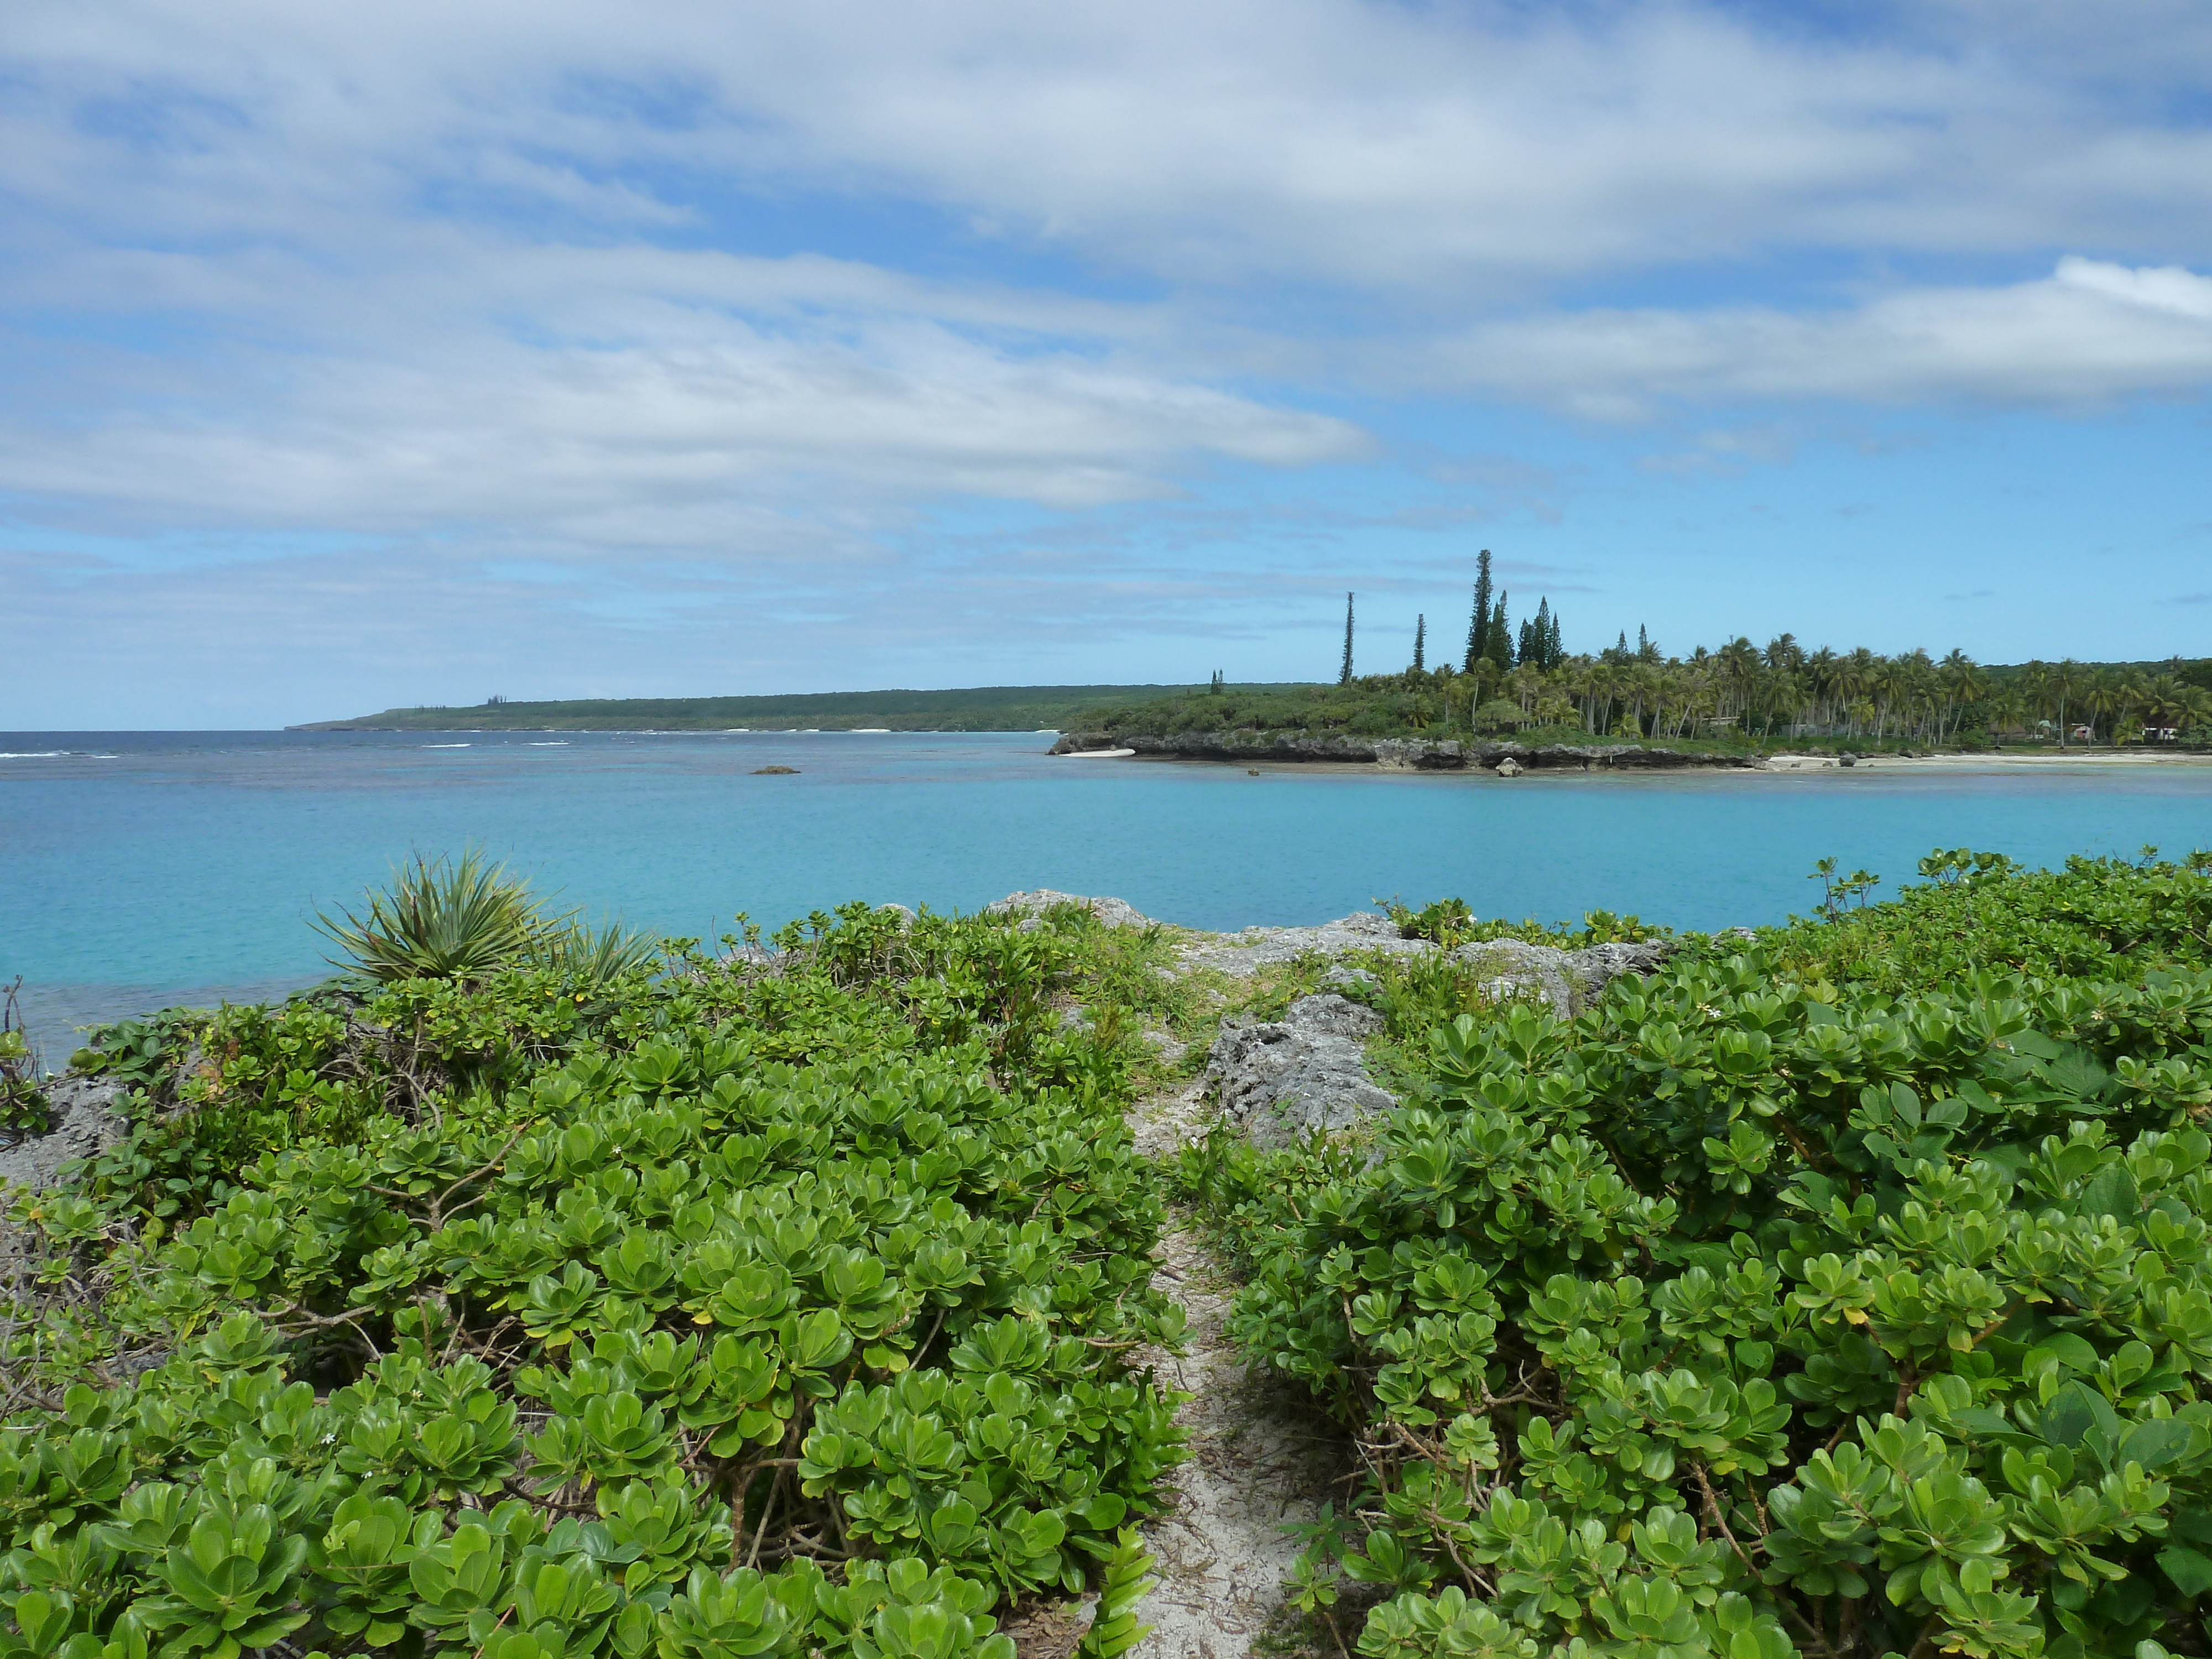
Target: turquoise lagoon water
{"points": [[141, 869]]}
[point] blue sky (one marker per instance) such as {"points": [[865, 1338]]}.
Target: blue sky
{"points": [[354, 356]]}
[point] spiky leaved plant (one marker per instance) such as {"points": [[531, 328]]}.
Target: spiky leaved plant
{"points": [[444, 918], [584, 955]]}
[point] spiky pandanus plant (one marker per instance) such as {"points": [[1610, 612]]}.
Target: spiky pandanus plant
{"points": [[443, 918], [462, 919]]}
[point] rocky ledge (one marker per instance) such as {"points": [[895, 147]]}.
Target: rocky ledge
{"points": [[1279, 1080], [1395, 754]]}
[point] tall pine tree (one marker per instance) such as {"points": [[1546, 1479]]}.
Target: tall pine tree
{"points": [[1420, 642], [1540, 638], [1343, 674], [1501, 636], [1478, 627]]}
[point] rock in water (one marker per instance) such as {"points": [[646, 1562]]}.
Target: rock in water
{"points": [[776, 771], [1280, 1080], [1509, 768]]}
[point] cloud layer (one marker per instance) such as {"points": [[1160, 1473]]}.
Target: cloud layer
{"points": [[756, 283]]}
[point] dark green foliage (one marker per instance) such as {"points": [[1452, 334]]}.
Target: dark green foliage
{"points": [[1849, 1292], [1420, 644], [1540, 639], [22, 1106], [1343, 674], [1478, 627], [1737, 699], [752, 1308]]}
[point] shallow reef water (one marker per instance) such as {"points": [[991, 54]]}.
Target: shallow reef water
{"points": [[142, 868]]}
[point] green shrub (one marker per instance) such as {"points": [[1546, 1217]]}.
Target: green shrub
{"points": [[739, 1309], [1848, 1293]]}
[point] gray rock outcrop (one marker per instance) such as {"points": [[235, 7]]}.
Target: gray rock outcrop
{"points": [[1567, 980], [1115, 913], [86, 1124], [1280, 1080], [1391, 754], [1254, 948]]}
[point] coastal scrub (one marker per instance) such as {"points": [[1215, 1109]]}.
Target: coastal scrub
{"points": [[1845, 1292], [779, 1302]]}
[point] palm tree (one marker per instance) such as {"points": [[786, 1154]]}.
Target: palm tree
{"points": [[1962, 684], [2067, 683]]}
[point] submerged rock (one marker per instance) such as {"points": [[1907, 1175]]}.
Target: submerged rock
{"points": [[1282, 1079]]}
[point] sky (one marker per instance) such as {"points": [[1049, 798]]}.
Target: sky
{"points": [[360, 356]]}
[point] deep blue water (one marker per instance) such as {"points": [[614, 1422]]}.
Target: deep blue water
{"points": [[138, 869]]}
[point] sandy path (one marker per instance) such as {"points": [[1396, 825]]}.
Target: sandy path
{"points": [[1258, 1456]]}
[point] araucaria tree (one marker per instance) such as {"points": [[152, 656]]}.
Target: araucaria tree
{"points": [[1343, 674], [1498, 645], [1420, 644], [1540, 639], [1478, 627]]}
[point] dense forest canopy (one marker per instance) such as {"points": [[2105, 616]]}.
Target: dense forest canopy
{"points": [[1740, 691]]}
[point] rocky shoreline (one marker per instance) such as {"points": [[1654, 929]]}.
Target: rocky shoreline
{"points": [[1397, 754]]}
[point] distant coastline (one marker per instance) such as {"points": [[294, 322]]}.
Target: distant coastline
{"points": [[974, 708]]}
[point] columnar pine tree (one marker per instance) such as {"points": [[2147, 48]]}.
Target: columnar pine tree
{"points": [[1500, 644], [1420, 642], [1537, 635], [1478, 627], [1343, 674], [1555, 653]]}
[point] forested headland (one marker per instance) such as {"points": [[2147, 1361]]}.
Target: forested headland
{"points": [[974, 708], [1520, 682]]}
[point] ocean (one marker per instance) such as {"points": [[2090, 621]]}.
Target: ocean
{"points": [[139, 870]]}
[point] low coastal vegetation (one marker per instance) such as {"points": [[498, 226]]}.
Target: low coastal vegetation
{"points": [[1843, 1288], [1846, 1291], [519, 1299]]}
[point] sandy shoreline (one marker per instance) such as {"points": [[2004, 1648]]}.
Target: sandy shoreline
{"points": [[1965, 762], [1782, 764]]}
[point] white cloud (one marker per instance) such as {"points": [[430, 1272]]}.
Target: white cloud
{"points": [[737, 288], [678, 437], [1400, 149], [2090, 332]]}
